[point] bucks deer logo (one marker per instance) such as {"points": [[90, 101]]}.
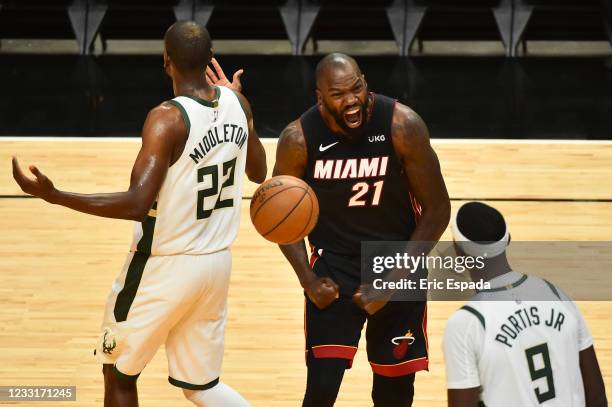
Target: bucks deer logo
{"points": [[108, 347]]}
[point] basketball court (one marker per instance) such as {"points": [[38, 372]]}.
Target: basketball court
{"points": [[58, 265]]}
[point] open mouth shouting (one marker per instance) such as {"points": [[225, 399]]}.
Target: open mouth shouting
{"points": [[353, 116]]}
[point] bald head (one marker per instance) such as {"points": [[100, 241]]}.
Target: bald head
{"points": [[188, 46], [342, 94], [335, 63]]}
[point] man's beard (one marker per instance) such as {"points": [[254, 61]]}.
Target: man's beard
{"points": [[350, 131]]}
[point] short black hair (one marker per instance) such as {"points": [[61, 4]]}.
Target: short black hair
{"points": [[480, 222], [189, 46]]}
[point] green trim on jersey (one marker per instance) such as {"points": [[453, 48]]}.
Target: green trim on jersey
{"points": [[148, 226], [189, 386], [204, 102], [554, 289], [476, 314], [183, 113], [241, 105], [132, 281], [126, 296], [506, 287]]}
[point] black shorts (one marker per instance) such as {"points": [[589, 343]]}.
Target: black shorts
{"points": [[334, 332]]}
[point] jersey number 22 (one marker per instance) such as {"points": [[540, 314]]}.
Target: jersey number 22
{"points": [[229, 168]]}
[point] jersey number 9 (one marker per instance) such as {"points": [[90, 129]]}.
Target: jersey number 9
{"points": [[544, 371]]}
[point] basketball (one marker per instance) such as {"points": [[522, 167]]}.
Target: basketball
{"points": [[284, 209]]}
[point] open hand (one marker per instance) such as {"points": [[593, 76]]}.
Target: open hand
{"points": [[216, 77], [40, 186]]}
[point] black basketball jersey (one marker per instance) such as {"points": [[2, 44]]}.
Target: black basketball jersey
{"points": [[362, 191]]}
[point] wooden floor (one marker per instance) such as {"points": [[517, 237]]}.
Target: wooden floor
{"points": [[57, 267]]}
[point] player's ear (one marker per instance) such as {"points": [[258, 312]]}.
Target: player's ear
{"points": [[319, 97], [166, 62]]}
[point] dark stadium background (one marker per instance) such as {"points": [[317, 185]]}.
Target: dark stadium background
{"points": [[513, 91]]}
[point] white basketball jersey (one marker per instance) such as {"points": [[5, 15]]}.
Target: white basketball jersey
{"points": [[197, 210], [521, 353]]}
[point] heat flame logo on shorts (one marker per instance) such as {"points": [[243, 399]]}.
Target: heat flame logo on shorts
{"points": [[402, 343]]}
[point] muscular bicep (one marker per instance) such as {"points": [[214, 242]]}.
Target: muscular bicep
{"points": [[418, 159], [291, 152], [161, 133]]}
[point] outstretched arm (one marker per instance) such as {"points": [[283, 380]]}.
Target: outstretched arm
{"points": [[162, 134], [291, 159]]}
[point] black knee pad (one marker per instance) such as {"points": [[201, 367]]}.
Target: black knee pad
{"points": [[393, 391]]}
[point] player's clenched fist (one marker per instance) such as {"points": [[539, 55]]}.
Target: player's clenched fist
{"points": [[368, 302], [322, 291]]}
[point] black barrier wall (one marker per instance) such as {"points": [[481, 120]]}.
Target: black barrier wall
{"points": [[459, 97]]}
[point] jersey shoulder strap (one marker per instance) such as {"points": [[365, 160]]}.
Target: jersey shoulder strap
{"points": [[176, 103], [476, 313]]}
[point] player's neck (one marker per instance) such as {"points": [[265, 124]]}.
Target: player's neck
{"points": [[197, 87], [494, 267], [331, 124]]}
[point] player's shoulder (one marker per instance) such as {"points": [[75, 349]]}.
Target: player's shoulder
{"points": [[406, 120], [167, 112], [167, 118], [466, 327], [236, 96], [409, 132], [292, 135], [230, 96], [546, 290], [468, 315]]}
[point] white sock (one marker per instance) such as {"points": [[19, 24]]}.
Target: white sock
{"points": [[219, 396]]}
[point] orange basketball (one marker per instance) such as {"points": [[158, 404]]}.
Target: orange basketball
{"points": [[284, 209]]}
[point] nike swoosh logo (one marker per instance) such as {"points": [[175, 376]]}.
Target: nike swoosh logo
{"points": [[321, 148]]}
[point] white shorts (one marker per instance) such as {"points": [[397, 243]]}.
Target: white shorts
{"points": [[178, 300]]}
